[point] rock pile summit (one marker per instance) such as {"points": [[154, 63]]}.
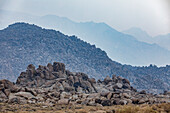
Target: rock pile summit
{"points": [[53, 84]]}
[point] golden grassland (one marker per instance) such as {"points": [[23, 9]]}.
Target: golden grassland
{"points": [[40, 108]]}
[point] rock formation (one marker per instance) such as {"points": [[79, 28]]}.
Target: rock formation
{"points": [[53, 84]]}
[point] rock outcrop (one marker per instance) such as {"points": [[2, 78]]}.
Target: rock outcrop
{"points": [[53, 84]]}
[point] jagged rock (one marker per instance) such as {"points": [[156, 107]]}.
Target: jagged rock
{"points": [[31, 67], [117, 86], [2, 95], [107, 80], [53, 84], [50, 67], [58, 67], [92, 80], [125, 81], [7, 92], [5, 84], [114, 78]]}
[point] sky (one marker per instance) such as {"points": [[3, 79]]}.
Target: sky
{"points": [[152, 16]]}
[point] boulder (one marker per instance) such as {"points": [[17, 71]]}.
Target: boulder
{"points": [[122, 102], [32, 91], [92, 80], [25, 95], [50, 67], [114, 78], [109, 95], [58, 67], [6, 84], [142, 92], [63, 102], [31, 67], [2, 95], [125, 81], [117, 86], [7, 92], [107, 80], [106, 102], [125, 95], [141, 101]]}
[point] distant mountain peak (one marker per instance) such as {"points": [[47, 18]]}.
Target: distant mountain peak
{"points": [[136, 30]]}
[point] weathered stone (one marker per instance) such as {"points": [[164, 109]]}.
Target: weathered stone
{"points": [[53, 84], [106, 102], [31, 91], [141, 101], [91, 103], [26, 95], [107, 80], [98, 100], [92, 80], [15, 100], [129, 101], [50, 67], [104, 94], [122, 102], [2, 95], [94, 95], [109, 96], [117, 86], [7, 92], [126, 95], [142, 92], [59, 67]]}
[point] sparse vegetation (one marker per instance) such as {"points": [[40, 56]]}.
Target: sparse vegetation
{"points": [[40, 108]]}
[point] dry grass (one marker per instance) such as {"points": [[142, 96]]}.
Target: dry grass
{"points": [[40, 108]]}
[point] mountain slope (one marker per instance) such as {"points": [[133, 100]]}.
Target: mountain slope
{"points": [[22, 44], [120, 47]]}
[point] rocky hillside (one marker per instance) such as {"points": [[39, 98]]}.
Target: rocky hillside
{"points": [[22, 44], [53, 84]]}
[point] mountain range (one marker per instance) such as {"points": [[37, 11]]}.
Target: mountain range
{"points": [[22, 44], [119, 46], [141, 35]]}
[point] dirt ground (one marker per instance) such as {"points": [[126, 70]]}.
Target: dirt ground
{"points": [[40, 108]]}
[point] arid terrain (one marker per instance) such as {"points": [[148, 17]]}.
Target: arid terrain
{"points": [[40, 108]]}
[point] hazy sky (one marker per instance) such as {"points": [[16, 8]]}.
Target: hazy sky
{"points": [[150, 15]]}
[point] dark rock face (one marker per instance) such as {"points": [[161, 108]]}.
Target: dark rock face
{"points": [[23, 44]]}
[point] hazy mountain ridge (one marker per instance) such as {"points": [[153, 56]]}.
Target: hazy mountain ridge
{"points": [[24, 44], [141, 35], [127, 48]]}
